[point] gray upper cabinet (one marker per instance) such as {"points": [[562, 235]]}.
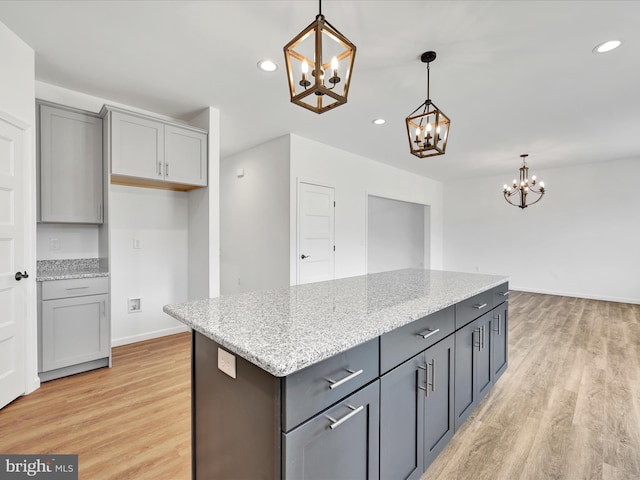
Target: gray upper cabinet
{"points": [[70, 165], [137, 146], [150, 152]]}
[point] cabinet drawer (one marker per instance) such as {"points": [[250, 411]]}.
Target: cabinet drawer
{"points": [[404, 342], [314, 388], [500, 294], [75, 287], [471, 308]]}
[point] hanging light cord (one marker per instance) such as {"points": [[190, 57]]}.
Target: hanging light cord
{"points": [[319, 8], [428, 71]]}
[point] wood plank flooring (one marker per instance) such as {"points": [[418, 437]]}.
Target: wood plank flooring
{"points": [[567, 408], [132, 421]]}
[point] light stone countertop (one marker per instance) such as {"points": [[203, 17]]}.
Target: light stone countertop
{"points": [[70, 268], [287, 329]]}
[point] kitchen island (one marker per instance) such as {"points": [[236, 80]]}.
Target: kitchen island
{"points": [[336, 379]]}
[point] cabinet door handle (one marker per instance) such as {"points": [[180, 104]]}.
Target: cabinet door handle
{"points": [[428, 332], [99, 211], [433, 375], [337, 423], [478, 306], [477, 330], [104, 308], [497, 331], [337, 383], [482, 336], [160, 169], [166, 169]]}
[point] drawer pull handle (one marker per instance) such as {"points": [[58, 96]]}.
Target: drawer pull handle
{"points": [[504, 294], [479, 306], [427, 333], [337, 383], [337, 423], [76, 288]]}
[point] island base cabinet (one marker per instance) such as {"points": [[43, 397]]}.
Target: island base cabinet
{"points": [[500, 340], [473, 377], [402, 396], [341, 442], [439, 389]]}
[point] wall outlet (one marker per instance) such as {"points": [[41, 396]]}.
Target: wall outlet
{"points": [[54, 244], [134, 304], [227, 362]]}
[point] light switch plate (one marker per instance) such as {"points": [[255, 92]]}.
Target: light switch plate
{"points": [[227, 362]]}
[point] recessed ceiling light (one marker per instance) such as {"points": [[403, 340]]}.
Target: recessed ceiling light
{"points": [[379, 121], [607, 46], [267, 66]]}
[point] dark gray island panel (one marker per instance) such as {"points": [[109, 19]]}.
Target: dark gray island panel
{"points": [[235, 421]]}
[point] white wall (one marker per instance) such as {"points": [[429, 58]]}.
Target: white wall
{"points": [[354, 178], [254, 218], [395, 234], [17, 98], [158, 271], [75, 241], [582, 239], [204, 217]]}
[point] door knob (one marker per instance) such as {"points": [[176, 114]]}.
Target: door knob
{"points": [[20, 275], [303, 256]]}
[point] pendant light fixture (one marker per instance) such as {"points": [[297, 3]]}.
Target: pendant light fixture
{"points": [[428, 130], [524, 188], [319, 65]]}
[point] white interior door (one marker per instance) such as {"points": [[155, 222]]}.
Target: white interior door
{"points": [[316, 246], [12, 238]]}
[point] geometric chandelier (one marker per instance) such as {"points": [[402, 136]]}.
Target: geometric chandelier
{"points": [[323, 61], [523, 188], [428, 130]]}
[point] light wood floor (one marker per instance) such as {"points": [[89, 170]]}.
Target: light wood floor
{"points": [[568, 407], [132, 421]]}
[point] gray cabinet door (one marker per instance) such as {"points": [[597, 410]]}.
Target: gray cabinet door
{"points": [[70, 152], [402, 397], [340, 443], [137, 146], [439, 417], [483, 372], [74, 330], [466, 342], [185, 156], [500, 340]]}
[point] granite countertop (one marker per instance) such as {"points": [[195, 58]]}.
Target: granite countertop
{"points": [[284, 330], [71, 268]]}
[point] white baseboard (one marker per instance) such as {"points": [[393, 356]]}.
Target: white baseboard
{"points": [[117, 342], [576, 295]]}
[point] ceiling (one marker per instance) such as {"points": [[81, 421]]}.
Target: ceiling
{"points": [[514, 76]]}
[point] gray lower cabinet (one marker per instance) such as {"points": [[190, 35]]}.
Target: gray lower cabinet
{"points": [[402, 399], [500, 340], [339, 443], [473, 377], [439, 417], [74, 334], [416, 412]]}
